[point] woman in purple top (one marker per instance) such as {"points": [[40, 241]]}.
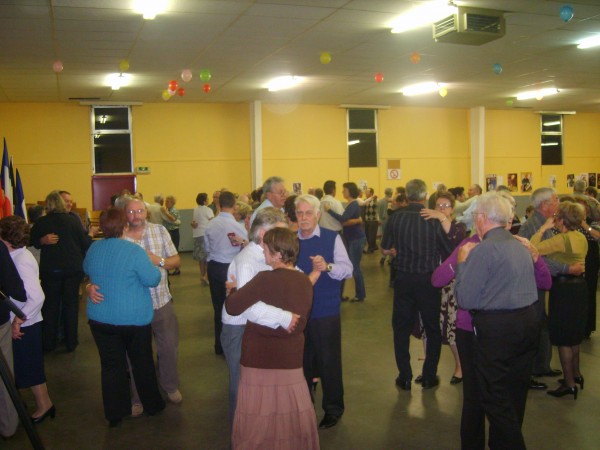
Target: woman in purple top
{"points": [[472, 425]]}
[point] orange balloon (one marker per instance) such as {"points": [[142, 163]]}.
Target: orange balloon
{"points": [[378, 77], [415, 57]]}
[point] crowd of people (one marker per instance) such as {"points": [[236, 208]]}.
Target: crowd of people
{"points": [[465, 270]]}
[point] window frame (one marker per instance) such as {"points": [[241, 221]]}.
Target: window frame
{"points": [[558, 133], [373, 131], [95, 132]]}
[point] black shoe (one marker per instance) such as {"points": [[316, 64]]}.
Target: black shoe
{"points": [[50, 413], [419, 379], [564, 390], [579, 380], [455, 380], [328, 421], [218, 350], [403, 384], [357, 300], [537, 385], [345, 299], [550, 373], [428, 384], [382, 261]]}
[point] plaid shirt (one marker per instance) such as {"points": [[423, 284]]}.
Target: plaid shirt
{"points": [[156, 239]]}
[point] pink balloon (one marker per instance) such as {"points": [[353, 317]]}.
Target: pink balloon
{"points": [[57, 66], [186, 75]]}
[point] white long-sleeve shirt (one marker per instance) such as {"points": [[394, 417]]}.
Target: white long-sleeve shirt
{"points": [[29, 272], [249, 262]]}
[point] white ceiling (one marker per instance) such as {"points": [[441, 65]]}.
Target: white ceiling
{"points": [[244, 43]]}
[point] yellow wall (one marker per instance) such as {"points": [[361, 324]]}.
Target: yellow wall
{"points": [[202, 147]]}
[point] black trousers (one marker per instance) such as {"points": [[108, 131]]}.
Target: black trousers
{"points": [[217, 276], [414, 293], [323, 358], [60, 288], [371, 227], [175, 237], [472, 422], [115, 343], [504, 346]]}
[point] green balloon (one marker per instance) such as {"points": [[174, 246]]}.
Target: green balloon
{"points": [[509, 102], [205, 75]]}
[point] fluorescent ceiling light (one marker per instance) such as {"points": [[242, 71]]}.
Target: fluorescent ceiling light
{"points": [[356, 141], [422, 88], [117, 80], [285, 82], [592, 41], [150, 8], [539, 94], [424, 14], [549, 144], [551, 124]]}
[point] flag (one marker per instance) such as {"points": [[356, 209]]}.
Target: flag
{"points": [[20, 209], [6, 185]]}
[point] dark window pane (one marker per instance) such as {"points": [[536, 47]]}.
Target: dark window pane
{"points": [[551, 150], [111, 118], [112, 153], [361, 119], [551, 123], [364, 152]]}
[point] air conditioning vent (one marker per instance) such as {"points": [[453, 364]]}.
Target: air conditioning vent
{"points": [[470, 26]]}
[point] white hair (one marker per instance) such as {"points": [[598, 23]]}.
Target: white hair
{"points": [[496, 208]]}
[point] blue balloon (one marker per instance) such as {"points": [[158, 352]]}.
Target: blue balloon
{"points": [[497, 68], [566, 13]]}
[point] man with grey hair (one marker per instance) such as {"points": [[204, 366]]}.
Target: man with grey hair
{"points": [[274, 194], [495, 281], [545, 202], [322, 250], [245, 266], [418, 246], [593, 205], [154, 214]]}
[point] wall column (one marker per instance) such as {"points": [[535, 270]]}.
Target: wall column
{"points": [[477, 139], [256, 153]]}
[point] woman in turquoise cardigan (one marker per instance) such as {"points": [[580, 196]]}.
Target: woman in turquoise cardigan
{"points": [[120, 323]]}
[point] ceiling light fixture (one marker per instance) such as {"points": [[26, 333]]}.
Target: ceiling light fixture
{"points": [[589, 42], [150, 8], [117, 80], [539, 94], [285, 82], [422, 88], [421, 15]]}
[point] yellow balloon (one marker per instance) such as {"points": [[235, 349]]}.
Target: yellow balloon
{"points": [[124, 65], [325, 58], [165, 95], [443, 92]]}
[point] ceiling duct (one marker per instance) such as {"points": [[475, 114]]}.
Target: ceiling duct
{"points": [[470, 26]]}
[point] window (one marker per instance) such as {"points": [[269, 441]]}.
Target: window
{"points": [[111, 139], [551, 139], [362, 137]]}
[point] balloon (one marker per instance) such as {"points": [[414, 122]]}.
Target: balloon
{"points": [[165, 95], [509, 102], [173, 85], [497, 68], [181, 92], [124, 65], [378, 77], [206, 88], [171, 92], [415, 57], [57, 66], [443, 92], [186, 75], [325, 58], [566, 13], [205, 75]]}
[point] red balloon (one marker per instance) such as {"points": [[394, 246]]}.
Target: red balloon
{"points": [[180, 92], [378, 77], [173, 85], [206, 88]]}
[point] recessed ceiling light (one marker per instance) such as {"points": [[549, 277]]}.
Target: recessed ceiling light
{"points": [[539, 94], [590, 42], [421, 15], [422, 88], [150, 8], [117, 80], [285, 82]]}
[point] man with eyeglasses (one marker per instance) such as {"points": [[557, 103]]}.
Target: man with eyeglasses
{"points": [[274, 193], [545, 202], [155, 239]]}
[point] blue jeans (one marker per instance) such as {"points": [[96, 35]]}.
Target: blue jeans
{"points": [[355, 252], [231, 340]]}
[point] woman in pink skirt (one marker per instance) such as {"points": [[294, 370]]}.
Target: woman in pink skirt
{"points": [[274, 409]]}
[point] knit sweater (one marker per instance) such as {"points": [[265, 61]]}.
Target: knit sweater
{"points": [[124, 273]]}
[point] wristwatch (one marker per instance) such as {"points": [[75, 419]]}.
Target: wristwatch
{"points": [[329, 267], [162, 262]]}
